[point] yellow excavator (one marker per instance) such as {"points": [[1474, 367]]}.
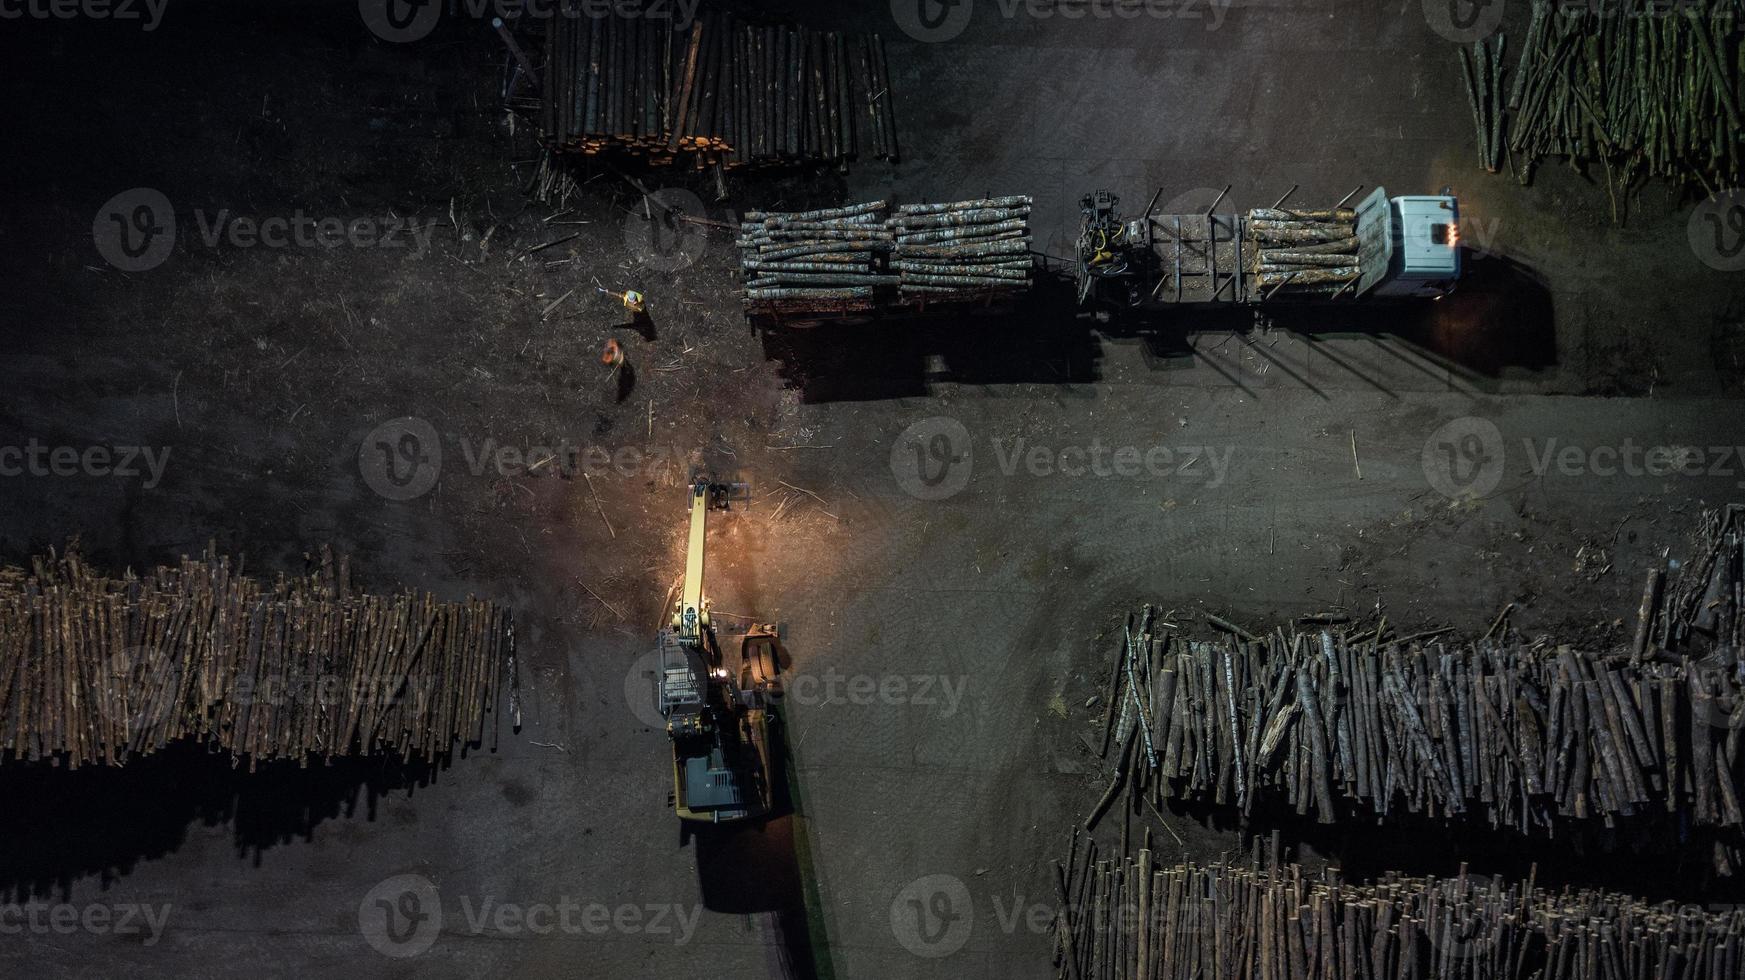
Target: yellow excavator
{"points": [[718, 719]]}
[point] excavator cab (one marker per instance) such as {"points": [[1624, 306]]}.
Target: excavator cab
{"points": [[718, 718]]}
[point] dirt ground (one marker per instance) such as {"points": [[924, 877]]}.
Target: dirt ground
{"points": [[947, 616]]}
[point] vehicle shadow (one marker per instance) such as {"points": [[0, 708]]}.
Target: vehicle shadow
{"points": [[1500, 319]]}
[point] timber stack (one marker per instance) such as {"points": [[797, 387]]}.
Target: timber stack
{"points": [[828, 259], [964, 250], [861, 258], [720, 90], [1348, 724], [1303, 251], [98, 670], [1132, 918], [1644, 90]]}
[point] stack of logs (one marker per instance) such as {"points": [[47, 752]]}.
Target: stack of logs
{"points": [[1482, 68], [1354, 724], [1131, 919], [835, 257], [100, 670], [1303, 252], [724, 91], [963, 250], [857, 258], [1644, 89]]}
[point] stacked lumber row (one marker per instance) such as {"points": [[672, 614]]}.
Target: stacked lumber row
{"points": [[721, 91], [1303, 252], [964, 249], [1349, 726], [1129, 918], [830, 256], [1647, 90], [100, 670]]}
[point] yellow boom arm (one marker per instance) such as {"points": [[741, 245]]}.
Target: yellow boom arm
{"points": [[692, 614]]}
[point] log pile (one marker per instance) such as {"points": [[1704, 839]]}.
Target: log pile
{"points": [[861, 258], [965, 249], [829, 258], [96, 670], [722, 90], [1129, 918], [1646, 90], [1482, 68], [1303, 251], [1538, 739]]}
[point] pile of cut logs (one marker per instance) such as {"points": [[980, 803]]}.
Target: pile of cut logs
{"points": [[830, 256], [1303, 252], [725, 90], [100, 670], [1646, 89], [1133, 919], [1354, 724], [964, 249], [858, 258]]}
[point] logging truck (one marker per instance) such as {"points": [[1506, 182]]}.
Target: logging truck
{"points": [[1384, 248]]}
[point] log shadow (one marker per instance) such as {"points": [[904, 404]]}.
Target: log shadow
{"points": [[1040, 338], [58, 826]]}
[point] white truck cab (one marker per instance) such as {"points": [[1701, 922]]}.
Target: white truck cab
{"points": [[1418, 255]]}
